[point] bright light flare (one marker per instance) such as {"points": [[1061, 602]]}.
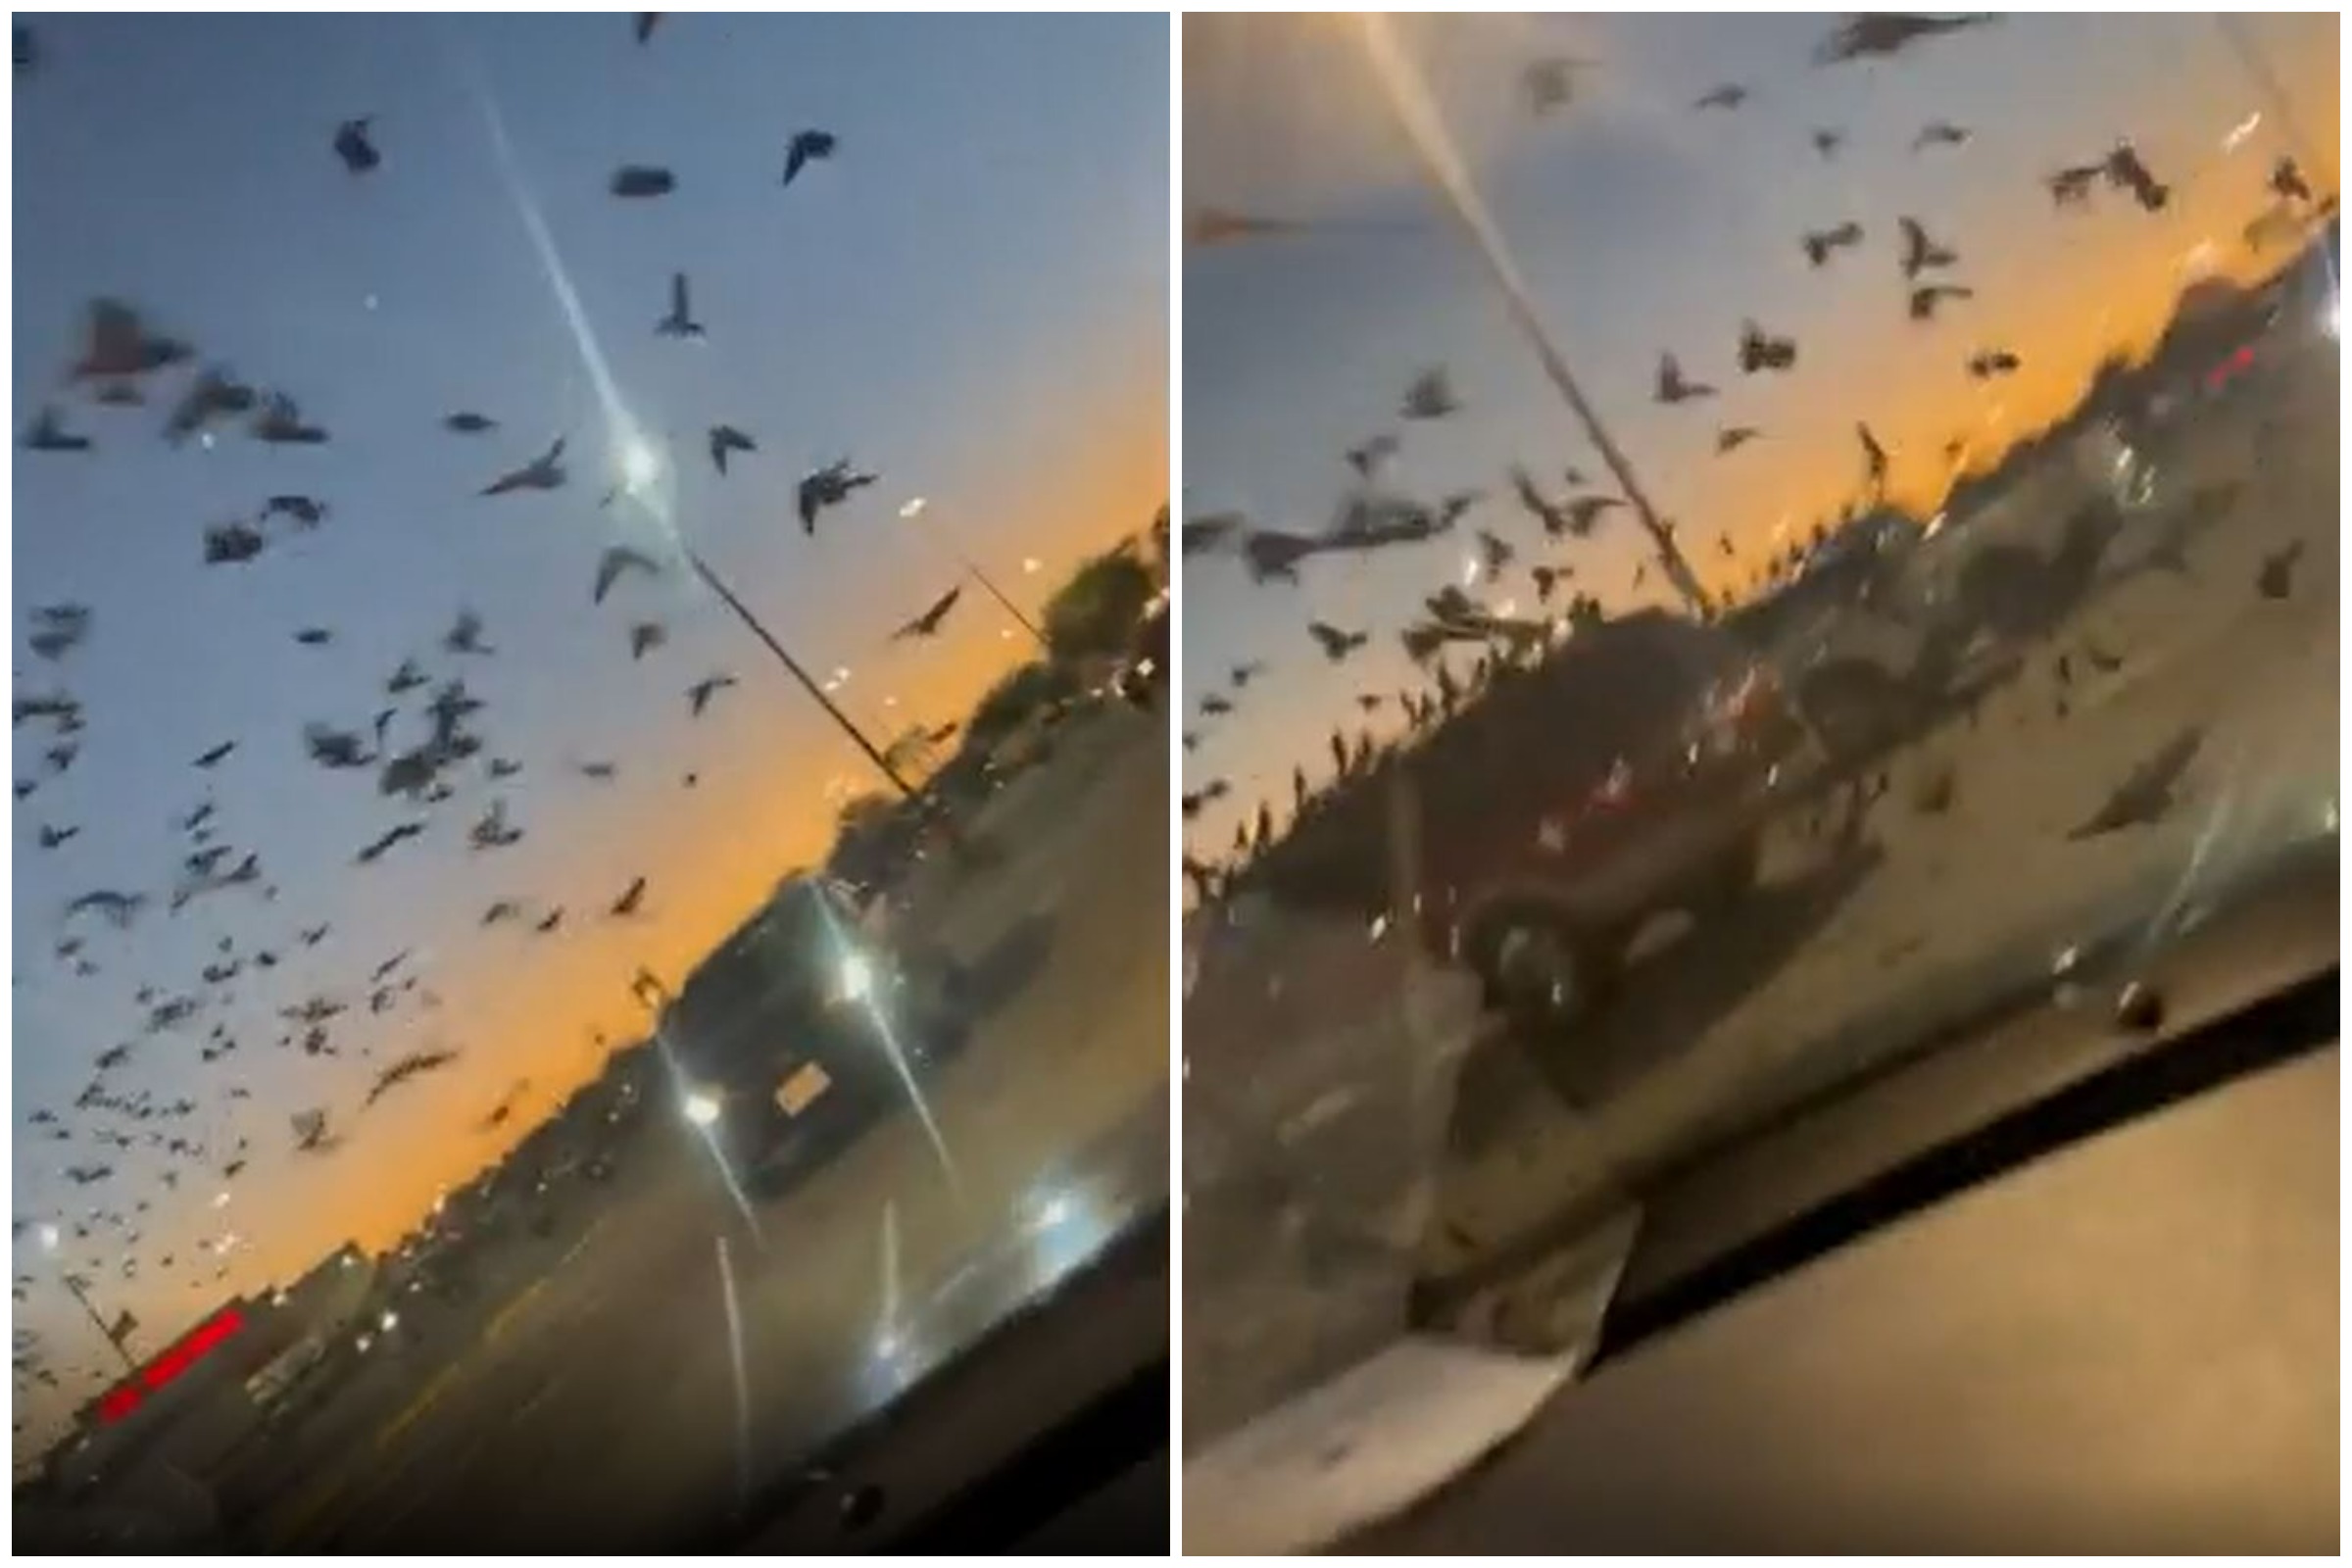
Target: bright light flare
{"points": [[856, 977], [2236, 135], [913, 509], [390, 1320], [702, 1109], [640, 465], [50, 1237]]}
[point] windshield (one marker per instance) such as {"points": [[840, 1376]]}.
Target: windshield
{"points": [[1717, 551], [590, 897]]}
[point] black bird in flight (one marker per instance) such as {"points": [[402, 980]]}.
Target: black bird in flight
{"points": [[217, 754], [1430, 396], [1216, 789], [406, 678], [615, 560], [1337, 644], [808, 146], [1984, 366], [466, 636], [280, 423], [2287, 181], [49, 434], [643, 24], [1730, 95], [1583, 513], [1372, 454], [543, 472], [926, 625], [636, 180], [334, 747], [1886, 32], [1925, 298], [2276, 578], [376, 849], [1550, 82], [830, 486], [1820, 243], [1733, 437], [680, 321], [1940, 133], [118, 344], [59, 628], [306, 510], [502, 910], [214, 395], [602, 772], [313, 636], [468, 422], [1244, 673], [1535, 504], [725, 438], [699, 695], [1874, 459], [1494, 552], [232, 544], [354, 147], [61, 757], [52, 837], [1919, 252], [1206, 534], [646, 636], [2070, 186], [1759, 350], [2147, 792], [1827, 141], [550, 921], [504, 768], [627, 904], [1673, 387], [2125, 171], [1546, 579], [407, 1067], [1214, 704]]}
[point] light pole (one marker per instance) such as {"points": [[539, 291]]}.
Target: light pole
{"points": [[1408, 99], [50, 1238]]}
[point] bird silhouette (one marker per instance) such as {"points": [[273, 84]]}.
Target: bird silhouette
{"points": [[927, 623], [1733, 437], [643, 24], [61, 758], [2147, 792], [216, 754], [1759, 350], [725, 438], [49, 434], [504, 768], [58, 628], [1213, 705], [1337, 644], [636, 181], [699, 695], [1874, 459], [1583, 513], [2276, 578], [335, 748], [502, 910], [1886, 33], [543, 472], [2125, 171], [1242, 674], [1827, 141], [680, 321], [406, 678], [280, 423], [377, 848], [1199, 534], [1925, 299], [52, 837], [547, 923], [313, 636], [308, 512], [1194, 800], [1494, 553], [214, 396], [466, 423], [118, 344], [1730, 95], [1984, 366], [616, 561], [1550, 82], [1820, 244], [1430, 396], [2287, 181], [2070, 186], [627, 904], [807, 147], [1371, 454], [355, 147], [602, 772], [830, 486], [1940, 133], [465, 636], [1674, 387], [646, 636], [405, 1068], [1919, 252], [232, 544]]}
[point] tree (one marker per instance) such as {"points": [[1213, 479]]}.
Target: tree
{"points": [[1011, 700], [1094, 614]]}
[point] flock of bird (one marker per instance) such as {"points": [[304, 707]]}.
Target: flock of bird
{"points": [[424, 750], [1371, 518]]}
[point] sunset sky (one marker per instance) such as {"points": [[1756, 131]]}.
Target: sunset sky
{"points": [[969, 297], [1644, 226]]}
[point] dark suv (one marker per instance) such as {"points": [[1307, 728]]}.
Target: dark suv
{"points": [[1626, 773], [802, 1030]]}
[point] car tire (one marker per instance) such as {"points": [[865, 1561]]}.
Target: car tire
{"points": [[1542, 968]]}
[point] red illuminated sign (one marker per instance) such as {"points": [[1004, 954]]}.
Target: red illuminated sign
{"points": [[198, 1342]]}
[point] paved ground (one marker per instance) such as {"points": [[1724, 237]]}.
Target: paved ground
{"points": [[673, 1352], [1339, 1145]]}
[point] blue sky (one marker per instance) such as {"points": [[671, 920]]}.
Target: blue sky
{"points": [[970, 297]]}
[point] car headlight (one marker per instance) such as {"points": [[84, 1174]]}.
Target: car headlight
{"points": [[701, 1107]]}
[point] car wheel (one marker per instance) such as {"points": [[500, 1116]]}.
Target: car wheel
{"points": [[1539, 966]]}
